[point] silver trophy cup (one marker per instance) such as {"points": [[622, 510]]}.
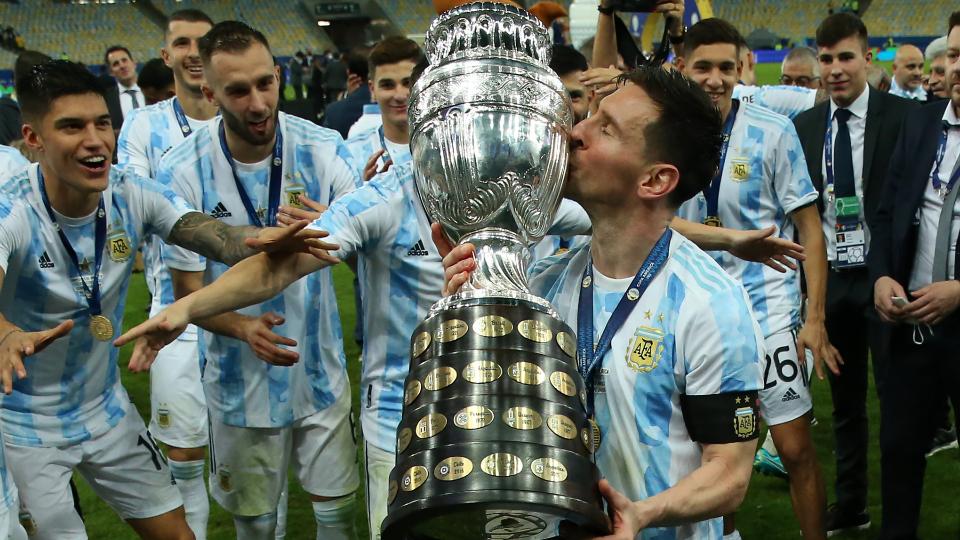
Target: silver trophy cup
{"points": [[494, 441]]}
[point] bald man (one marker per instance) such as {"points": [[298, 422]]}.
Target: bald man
{"points": [[801, 68], [908, 73]]}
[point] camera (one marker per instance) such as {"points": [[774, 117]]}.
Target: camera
{"points": [[635, 6]]}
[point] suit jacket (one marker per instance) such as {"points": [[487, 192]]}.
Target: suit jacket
{"points": [[340, 115], [885, 114], [896, 226]]}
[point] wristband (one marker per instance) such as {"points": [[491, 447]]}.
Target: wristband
{"points": [[605, 10]]}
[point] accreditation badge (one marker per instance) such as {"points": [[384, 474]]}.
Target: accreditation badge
{"points": [[646, 349], [119, 247]]}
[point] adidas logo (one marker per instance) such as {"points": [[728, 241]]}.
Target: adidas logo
{"points": [[220, 211], [418, 250], [45, 261], [790, 395]]}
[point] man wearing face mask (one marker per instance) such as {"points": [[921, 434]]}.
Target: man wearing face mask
{"points": [[913, 263]]}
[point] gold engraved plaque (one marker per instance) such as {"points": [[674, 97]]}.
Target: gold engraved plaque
{"points": [[392, 494], [562, 426], [492, 326], [482, 371], [567, 344], [549, 469], [473, 417], [412, 391], [501, 464], [441, 377], [451, 330], [453, 468], [403, 439], [522, 418], [526, 373], [414, 478], [591, 436], [563, 383], [421, 342], [430, 425], [535, 331]]}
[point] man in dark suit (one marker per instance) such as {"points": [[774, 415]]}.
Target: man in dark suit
{"points": [[340, 115], [847, 142], [913, 262]]}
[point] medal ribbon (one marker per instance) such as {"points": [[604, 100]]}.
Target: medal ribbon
{"points": [[383, 144], [941, 150], [276, 175], [93, 296], [712, 193], [181, 118], [590, 355]]}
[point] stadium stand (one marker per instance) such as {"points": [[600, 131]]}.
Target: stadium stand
{"points": [[906, 17], [790, 19]]}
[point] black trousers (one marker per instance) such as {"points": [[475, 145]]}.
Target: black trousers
{"points": [[920, 377], [855, 331]]}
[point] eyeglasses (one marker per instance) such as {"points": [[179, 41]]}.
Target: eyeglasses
{"points": [[799, 81]]}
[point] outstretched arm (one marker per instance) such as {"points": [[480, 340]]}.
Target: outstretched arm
{"points": [[756, 246]]}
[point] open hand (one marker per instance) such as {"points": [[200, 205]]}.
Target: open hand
{"points": [[258, 333], [157, 331], [18, 344], [813, 336], [288, 215], [142, 357], [294, 238], [763, 246], [370, 169]]}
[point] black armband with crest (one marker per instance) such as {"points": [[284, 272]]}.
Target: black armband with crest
{"points": [[721, 418]]}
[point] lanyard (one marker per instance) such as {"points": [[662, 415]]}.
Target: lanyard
{"points": [[588, 355], [712, 193], [828, 149], [276, 175], [383, 145], [93, 296], [181, 118], [935, 176]]}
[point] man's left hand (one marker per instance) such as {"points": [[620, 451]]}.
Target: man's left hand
{"points": [[765, 247], [294, 238], [288, 215], [934, 302], [813, 336]]}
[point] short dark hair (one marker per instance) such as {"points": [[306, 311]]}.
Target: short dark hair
{"points": [[954, 21], [155, 74], [840, 26], [391, 50], [357, 64], [687, 134], [187, 15], [711, 31], [418, 70], [565, 59], [26, 60], [38, 88], [114, 48], [230, 37]]}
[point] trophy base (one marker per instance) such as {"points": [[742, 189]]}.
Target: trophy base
{"points": [[493, 515]]}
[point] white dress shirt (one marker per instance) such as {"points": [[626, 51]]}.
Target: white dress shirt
{"points": [[922, 273], [857, 125], [917, 93], [126, 99]]}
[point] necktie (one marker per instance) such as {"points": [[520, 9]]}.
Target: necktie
{"points": [[843, 157], [945, 226], [133, 97]]}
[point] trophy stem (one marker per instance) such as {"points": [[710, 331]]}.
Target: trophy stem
{"points": [[502, 260]]}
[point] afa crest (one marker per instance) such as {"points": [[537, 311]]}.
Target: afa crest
{"points": [[294, 190], [646, 349], [163, 417], [744, 422], [119, 247], [740, 170], [223, 475]]}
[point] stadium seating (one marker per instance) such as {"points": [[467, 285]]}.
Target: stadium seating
{"points": [[412, 17], [908, 17], [791, 19]]}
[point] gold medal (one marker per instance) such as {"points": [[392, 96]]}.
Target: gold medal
{"points": [[712, 221], [101, 328]]}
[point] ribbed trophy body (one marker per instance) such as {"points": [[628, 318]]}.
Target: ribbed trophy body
{"points": [[494, 441]]}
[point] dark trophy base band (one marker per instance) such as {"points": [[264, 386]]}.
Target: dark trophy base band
{"points": [[494, 441]]}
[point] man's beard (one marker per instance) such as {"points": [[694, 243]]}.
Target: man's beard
{"points": [[240, 127]]}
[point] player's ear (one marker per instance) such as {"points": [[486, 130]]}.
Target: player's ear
{"points": [[658, 181], [31, 137], [208, 94]]}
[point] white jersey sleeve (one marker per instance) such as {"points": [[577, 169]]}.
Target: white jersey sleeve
{"points": [[14, 229], [134, 142], [571, 220], [11, 161], [791, 178], [786, 100]]}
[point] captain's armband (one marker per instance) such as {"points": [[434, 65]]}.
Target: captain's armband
{"points": [[721, 418]]}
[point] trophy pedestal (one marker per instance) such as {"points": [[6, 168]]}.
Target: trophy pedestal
{"points": [[494, 442]]}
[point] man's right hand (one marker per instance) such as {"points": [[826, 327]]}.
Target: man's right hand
{"points": [[370, 169], [19, 344], [158, 330], [258, 333], [458, 261], [884, 290]]}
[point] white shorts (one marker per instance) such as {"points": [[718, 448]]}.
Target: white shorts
{"points": [[379, 463], [123, 466], [178, 409], [248, 466], [786, 381]]}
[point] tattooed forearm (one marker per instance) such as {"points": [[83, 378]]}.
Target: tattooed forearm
{"points": [[211, 238]]}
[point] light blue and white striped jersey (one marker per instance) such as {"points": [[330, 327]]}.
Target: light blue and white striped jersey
{"points": [[383, 222], [703, 340], [11, 161], [765, 178], [147, 134], [364, 144], [72, 391], [244, 390], [786, 100]]}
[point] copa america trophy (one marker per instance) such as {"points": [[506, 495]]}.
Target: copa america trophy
{"points": [[494, 441]]}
